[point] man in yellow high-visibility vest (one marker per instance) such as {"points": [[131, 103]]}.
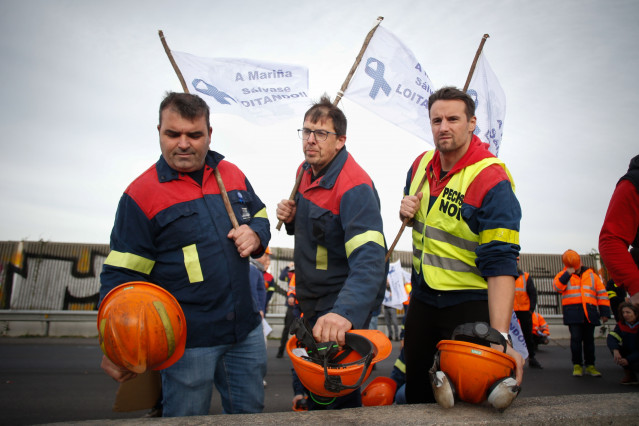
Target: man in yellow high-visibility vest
{"points": [[465, 222]]}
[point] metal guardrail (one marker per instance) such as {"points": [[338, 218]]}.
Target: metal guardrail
{"points": [[47, 316]]}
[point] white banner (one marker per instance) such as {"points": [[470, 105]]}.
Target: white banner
{"points": [[261, 92], [393, 84], [490, 104], [397, 294], [517, 336]]}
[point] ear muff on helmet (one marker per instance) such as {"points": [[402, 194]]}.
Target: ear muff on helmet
{"points": [[329, 371], [474, 372], [503, 392], [443, 389]]}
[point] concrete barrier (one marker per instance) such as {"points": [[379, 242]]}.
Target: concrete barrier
{"points": [[593, 409], [59, 324]]}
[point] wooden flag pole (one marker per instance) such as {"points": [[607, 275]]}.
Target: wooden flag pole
{"points": [[358, 59], [175, 67], [421, 184], [472, 67], [340, 93], [218, 177]]}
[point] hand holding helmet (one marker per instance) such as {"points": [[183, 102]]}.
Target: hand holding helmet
{"points": [[328, 370]]}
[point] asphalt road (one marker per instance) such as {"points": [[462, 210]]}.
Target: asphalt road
{"points": [[45, 380]]}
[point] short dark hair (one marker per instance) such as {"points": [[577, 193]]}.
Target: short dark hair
{"points": [[325, 109], [187, 105], [622, 305], [450, 93]]}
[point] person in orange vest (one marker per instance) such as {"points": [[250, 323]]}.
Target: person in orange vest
{"points": [[540, 330], [584, 301], [524, 305]]}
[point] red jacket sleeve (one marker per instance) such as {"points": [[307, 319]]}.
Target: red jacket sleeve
{"points": [[617, 233]]}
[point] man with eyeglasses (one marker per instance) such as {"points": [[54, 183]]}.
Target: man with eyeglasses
{"points": [[339, 241]]}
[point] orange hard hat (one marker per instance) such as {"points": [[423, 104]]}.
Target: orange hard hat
{"points": [[380, 391], [268, 250], [328, 371], [141, 326], [474, 370], [571, 259]]}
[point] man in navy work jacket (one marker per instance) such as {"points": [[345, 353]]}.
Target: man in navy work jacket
{"points": [[171, 228], [339, 241]]}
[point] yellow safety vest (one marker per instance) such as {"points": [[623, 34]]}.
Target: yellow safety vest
{"points": [[443, 244]]}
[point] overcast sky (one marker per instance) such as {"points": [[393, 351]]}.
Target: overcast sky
{"points": [[81, 82]]}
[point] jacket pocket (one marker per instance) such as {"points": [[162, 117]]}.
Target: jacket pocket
{"points": [[320, 223], [179, 225]]}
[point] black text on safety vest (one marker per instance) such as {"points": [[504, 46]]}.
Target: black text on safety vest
{"points": [[451, 202]]}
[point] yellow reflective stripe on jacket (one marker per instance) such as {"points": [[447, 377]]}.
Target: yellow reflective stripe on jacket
{"points": [[321, 258], [363, 238], [448, 260], [130, 261], [499, 234], [261, 213], [616, 336], [192, 264], [400, 365]]}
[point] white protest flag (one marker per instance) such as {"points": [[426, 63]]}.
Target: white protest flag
{"points": [[391, 83], [490, 104], [261, 92], [517, 336], [397, 294]]}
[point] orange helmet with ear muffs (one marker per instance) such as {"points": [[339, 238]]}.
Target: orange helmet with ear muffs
{"points": [[474, 372], [141, 326], [328, 371]]}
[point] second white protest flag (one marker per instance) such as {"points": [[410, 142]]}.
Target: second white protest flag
{"points": [[490, 104], [391, 83]]}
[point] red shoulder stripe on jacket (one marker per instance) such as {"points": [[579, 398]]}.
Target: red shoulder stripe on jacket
{"points": [[484, 182], [350, 176], [152, 196]]}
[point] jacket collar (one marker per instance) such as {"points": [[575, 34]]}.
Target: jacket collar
{"points": [[477, 151], [628, 328], [334, 168], [167, 174]]}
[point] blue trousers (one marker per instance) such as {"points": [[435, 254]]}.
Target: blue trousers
{"points": [[236, 370]]}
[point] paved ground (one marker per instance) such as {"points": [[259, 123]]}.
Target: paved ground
{"points": [[59, 380]]}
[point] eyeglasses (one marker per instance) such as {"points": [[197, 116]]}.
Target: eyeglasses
{"points": [[320, 135]]}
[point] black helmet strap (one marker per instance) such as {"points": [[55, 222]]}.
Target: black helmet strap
{"points": [[328, 354]]}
